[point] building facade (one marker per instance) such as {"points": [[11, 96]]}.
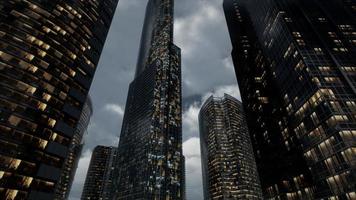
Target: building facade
{"points": [[99, 182], [150, 147], [228, 162], [295, 62], [49, 50], [74, 152]]}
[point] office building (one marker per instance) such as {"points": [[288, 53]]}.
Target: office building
{"points": [[49, 51], [228, 162], [150, 147], [99, 182], [295, 65], [74, 152]]}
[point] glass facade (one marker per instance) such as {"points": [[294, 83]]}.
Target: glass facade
{"points": [[295, 61], [150, 149], [49, 50], [228, 162], [99, 182], [74, 152]]}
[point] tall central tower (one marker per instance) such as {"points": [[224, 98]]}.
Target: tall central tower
{"points": [[150, 149]]}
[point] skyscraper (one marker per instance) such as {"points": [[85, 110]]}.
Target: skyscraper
{"points": [[74, 152], [228, 163], [99, 182], [295, 63], [49, 51], [150, 147]]}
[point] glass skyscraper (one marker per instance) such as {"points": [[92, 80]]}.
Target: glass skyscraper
{"points": [[228, 162], [295, 63], [70, 165], [49, 50], [99, 182], [150, 148]]}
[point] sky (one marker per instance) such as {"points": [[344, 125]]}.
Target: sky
{"points": [[201, 33]]}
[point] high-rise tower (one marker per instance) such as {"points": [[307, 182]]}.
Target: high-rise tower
{"points": [[99, 182], [228, 162], [49, 50], [296, 67], [150, 148], [264, 109], [70, 165]]}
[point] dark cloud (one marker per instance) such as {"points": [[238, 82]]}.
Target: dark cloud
{"points": [[201, 33]]}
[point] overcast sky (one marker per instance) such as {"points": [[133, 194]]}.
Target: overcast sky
{"points": [[201, 33]]}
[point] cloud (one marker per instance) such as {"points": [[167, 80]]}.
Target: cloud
{"points": [[201, 33], [190, 120], [191, 149], [114, 108], [232, 90], [195, 24]]}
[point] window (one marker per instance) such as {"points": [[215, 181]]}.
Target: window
{"points": [[288, 51], [314, 118], [26, 181], [332, 121], [11, 194], [42, 53], [300, 42], [42, 144], [29, 57], [316, 81], [46, 97], [322, 19], [348, 136], [42, 106], [72, 72], [338, 42], [297, 34], [51, 122], [326, 147], [311, 155], [332, 79], [335, 105], [13, 120], [32, 68], [324, 69], [336, 183], [318, 51], [332, 34]]}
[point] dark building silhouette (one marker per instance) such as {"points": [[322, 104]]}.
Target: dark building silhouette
{"points": [[99, 182], [49, 50], [228, 163], [150, 148], [74, 152], [296, 69]]}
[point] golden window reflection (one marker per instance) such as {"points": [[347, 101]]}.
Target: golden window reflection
{"points": [[46, 96], [42, 106], [14, 120], [51, 122], [43, 144], [29, 57], [27, 181], [11, 194]]}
